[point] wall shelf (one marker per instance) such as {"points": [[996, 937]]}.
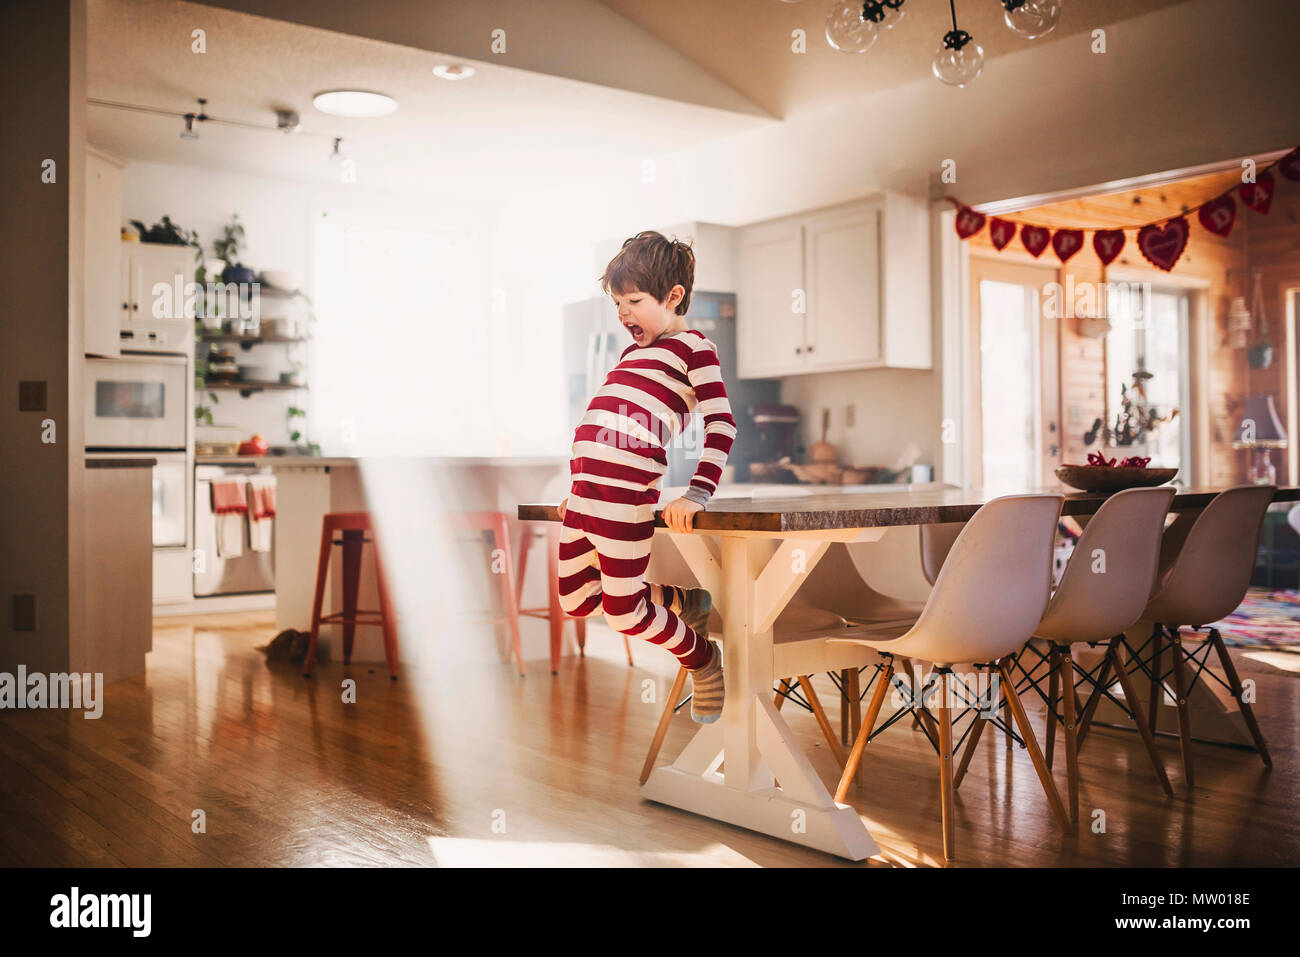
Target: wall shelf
{"points": [[247, 342], [245, 389]]}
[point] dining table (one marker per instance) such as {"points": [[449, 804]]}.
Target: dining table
{"points": [[752, 554]]}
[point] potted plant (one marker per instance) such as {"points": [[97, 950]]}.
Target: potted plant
{"points": [[227, 250]]}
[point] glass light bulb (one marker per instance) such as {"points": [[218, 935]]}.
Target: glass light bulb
{"points": [[1033, 18], [958, 63], [846, 31]]}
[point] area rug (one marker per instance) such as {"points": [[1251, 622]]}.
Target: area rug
{"points": [[1265, 619]]}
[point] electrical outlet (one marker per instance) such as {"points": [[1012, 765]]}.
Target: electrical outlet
{"points": [[24, 613], [849, 415], [31, 396]]}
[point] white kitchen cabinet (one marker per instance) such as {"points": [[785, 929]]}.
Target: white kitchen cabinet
{"points": [[147, 264], [770, 301], [861, 271], [102, 303]]}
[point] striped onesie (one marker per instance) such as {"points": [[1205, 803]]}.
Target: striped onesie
{"points": [[617, 464]]}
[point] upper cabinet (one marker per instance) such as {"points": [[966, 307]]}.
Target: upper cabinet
{"points": [[836, 289], [103, 305]]}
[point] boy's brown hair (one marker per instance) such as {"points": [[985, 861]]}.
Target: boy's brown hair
{"points": [[651, 262]]}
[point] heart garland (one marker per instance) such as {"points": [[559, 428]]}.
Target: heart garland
{"points": [[1067, 242], [968, 222], [1259, 194], [1218, 215], [1107, 243], [1162, 245], [1289, 165], [1001, 231], [1035, 239]]}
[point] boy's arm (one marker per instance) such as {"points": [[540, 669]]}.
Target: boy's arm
{"points": [[705, 375]]}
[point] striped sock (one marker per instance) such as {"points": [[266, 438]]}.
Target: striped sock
{"points": [[707, 691], [696, 608]]}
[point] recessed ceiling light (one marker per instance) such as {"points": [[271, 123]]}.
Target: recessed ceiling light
{"points": [[453, 71], [354, 103]]}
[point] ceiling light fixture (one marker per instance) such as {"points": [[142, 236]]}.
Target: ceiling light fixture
{"points": [[190, 133], [354, 103], [453, 71], [959, 58], [288, 121]]}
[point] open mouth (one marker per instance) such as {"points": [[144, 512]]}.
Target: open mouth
{"points": [[633, 328]]}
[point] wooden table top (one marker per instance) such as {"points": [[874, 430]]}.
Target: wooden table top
{"points": [[838, 510]]}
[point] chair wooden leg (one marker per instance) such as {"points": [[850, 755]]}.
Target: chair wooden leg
{"points": [[969, 751], [1181, 688], [844, 706], [1157, 686], [945, 773], [322, 572], [1031, 745], [868, 725], [1068, 706], [1139, 718], [855, 714], [781, 692], [1094, 699], [1053, 689], [822, 721], [1234, 682], [657, 741], [580, 629]]}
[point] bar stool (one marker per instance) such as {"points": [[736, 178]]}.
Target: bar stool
{"points": [[353, 527], [494, 523], [552, 612]]}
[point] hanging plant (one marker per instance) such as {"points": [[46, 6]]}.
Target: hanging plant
{"points": [[1260, 355]]}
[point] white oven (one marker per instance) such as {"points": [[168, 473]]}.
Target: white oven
{"points": [[137, 402]]}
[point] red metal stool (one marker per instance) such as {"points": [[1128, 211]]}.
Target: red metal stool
{"points": [[552, 612], [495, 524], [353, 526]]}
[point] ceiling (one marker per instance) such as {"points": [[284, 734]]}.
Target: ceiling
{"points": [[1133, 207], [748, 42], [614, 82], [503, 129]]}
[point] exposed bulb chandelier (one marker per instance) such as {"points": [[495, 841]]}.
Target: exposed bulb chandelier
{"points": [[852, 27]]}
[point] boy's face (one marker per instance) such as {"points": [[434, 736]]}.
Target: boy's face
{"points": [[643, 316]]}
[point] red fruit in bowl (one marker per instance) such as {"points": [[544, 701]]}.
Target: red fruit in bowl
{"points": [[254, 446]]}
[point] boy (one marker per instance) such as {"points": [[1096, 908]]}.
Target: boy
{"points": [[618, 461]]}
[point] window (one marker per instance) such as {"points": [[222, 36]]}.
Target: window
{"points": [[1148, 339], [400, 357]]}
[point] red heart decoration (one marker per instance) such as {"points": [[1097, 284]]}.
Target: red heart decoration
{"points": [[1218, 215], [1035, 239], [1001, 231], [1067, 242], [968, 222], [1289, 165], [1162, 245], [1259, 194], [1107, 243]]}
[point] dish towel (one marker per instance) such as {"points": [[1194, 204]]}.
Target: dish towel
{"points": [[261, 512], [229, 508]]}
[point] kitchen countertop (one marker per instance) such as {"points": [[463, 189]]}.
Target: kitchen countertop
{"points": [[351, 461]]}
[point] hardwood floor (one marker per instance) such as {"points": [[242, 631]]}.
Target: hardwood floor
{"points": [[474, 765]]}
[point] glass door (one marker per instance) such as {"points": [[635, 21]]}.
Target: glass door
{"points": [[1015, 401]]}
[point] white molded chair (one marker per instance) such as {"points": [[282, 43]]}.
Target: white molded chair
{"points": [[988, 597], [1095, 603], [1207, 562]]}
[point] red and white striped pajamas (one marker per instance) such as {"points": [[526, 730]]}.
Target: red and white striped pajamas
{"points": [[617, 464]]}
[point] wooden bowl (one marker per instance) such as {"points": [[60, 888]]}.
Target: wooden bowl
{"points": [[1099, 478]]}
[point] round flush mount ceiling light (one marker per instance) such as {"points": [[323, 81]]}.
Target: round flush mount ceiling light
{"points": [[453, 71], [354, 103]]}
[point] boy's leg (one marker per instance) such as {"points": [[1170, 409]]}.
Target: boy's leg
{"points": [[630, 602], [579, 572]]}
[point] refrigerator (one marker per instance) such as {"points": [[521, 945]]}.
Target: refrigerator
{"points": [[594, 339]]}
